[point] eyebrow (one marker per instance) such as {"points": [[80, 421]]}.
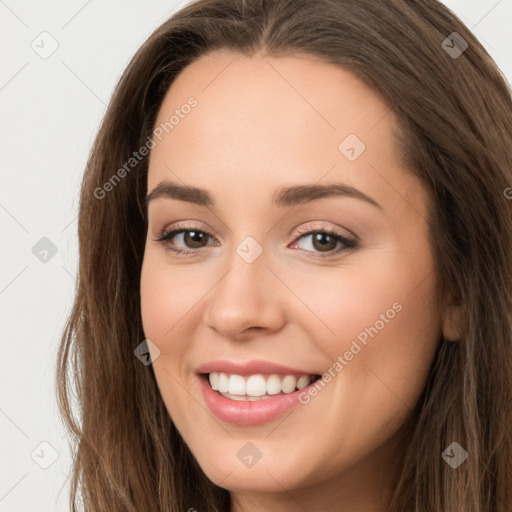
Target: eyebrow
{"points": [[284, 196]]}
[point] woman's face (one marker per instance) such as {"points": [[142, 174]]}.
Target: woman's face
{"points": [[306, 254]]}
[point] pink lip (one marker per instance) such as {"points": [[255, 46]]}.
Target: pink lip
{"points": [[250, 368], [248, 413]]}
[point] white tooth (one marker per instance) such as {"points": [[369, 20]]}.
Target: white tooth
{"points": [[288, 384], [273, 385], [303, 381], [214, 380], [237, 385], [223, 383], [235, 397], [245, 398], [256, 385], [241, 398]]}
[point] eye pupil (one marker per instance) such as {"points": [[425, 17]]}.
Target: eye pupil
{"points": [[194, 237], [324, 240]]}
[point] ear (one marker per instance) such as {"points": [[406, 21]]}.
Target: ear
{"points": [[452, 320]]}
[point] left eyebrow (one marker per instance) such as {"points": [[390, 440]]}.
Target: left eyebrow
{"points": [[284, 196], [300, 194]]}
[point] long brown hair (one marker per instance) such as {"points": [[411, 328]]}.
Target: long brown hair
{"points": [[455, 115]]}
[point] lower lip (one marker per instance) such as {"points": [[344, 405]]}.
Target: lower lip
{"points": [[245, 412]]}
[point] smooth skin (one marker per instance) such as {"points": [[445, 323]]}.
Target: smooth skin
{"points": [[261, 124]]}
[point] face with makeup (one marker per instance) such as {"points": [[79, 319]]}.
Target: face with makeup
{"points": [[286, 242]]}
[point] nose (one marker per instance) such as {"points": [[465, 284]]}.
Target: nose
{"points": [[247, 299]]}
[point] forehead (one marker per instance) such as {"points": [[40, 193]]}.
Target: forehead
{"points": [[261, 121], [237, 93]]}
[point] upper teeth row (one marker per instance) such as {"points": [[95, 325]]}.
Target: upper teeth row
{"points": [[257, 385]]}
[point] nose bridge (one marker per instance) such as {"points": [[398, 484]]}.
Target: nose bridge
{"points": [[246, 295]]}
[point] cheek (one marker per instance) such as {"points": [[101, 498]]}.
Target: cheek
{"points": [[167, 295], [382, 318], [402, 352], [158, 302], [383, 291], [386, 327]]}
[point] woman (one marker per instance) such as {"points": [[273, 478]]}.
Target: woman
{"points": [[295, 276]]}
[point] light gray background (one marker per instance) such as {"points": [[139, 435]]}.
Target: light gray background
{"points": [[50, 112]]}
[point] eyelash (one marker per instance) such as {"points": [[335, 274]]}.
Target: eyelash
{"points": [[349, 244]]}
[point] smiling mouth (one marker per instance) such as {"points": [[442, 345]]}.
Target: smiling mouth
{"points": [[251, 388]]}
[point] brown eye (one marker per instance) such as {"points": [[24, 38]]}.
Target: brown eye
{"points": [[183, 241], [324, 242], [195, 239]]}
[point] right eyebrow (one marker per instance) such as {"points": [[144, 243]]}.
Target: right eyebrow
{"points": [[172, 190]]}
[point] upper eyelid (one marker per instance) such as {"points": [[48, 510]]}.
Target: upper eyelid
{"points": [[337, 231], [299, 233]]}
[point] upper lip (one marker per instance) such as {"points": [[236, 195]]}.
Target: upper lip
{"points": [[250, 368]]}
